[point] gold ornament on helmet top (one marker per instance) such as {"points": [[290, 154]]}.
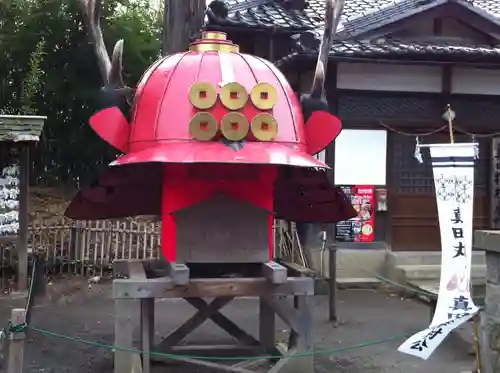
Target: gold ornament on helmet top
{"points": [[264, 127], [202, 95], [234, 126], [233, 96], [203, 126], [264, 96]]}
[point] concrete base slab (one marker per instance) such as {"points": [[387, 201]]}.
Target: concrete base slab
{"points": [[321, 286], [350, 263], [358, 283]]}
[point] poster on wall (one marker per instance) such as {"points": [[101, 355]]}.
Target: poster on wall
{"points": [[9, 200], [360, 228]]}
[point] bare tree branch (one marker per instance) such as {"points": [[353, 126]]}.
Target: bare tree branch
{"points": [[333, 11], [111, 69]]}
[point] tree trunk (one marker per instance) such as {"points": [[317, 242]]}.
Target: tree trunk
{"points": [[182, 20]]}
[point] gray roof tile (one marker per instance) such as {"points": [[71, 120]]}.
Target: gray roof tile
{"points": [[275, 13], [358, 15]]}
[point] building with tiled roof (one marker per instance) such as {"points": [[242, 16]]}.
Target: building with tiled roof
{"points": [[394, 67], [360, 19]]}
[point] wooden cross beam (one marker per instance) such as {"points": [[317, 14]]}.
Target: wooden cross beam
{"points": [[205, 312]]}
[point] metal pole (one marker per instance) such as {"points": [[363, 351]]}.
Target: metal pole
{"points": [[332, 283]]}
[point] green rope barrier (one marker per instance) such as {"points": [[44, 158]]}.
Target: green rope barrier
{"points": [[23, 327]]}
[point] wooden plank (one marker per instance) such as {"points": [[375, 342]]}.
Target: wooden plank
{"points": [[123, 334], [136, 270], [214, 350], [192, 323], [267, 325], [224, 323], [8, 239], [274, 272], [17, 342], [283, 362], [209, 288], [147, 331], [297, 270], [137, 289], [285, 311], [250, 364], [305, 340], [120, 266], [136, 363], [203, 363]]}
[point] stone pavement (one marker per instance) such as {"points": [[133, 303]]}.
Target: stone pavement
{"points": [[365, 315]]}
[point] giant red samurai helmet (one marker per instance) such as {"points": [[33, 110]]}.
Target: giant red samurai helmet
{"points": [[206, 121]]}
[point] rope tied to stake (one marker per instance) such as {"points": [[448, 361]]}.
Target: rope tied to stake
{"points": [[20, 328]]}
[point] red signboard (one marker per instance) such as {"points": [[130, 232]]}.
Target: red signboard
{"points": [[360, 228]]}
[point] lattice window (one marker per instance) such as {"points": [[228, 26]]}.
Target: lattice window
{"points": [[411, 177], [381, 106]]}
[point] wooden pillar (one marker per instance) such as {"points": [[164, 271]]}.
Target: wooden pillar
{"points": [[304, 342], [22, 247], [147, 331], [182, 20], [267, 326], [123, 334]]}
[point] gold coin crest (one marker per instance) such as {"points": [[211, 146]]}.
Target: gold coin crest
{"points": [[203, 126], [234, 126], [264, 96], [202, 95], [264, 127], [233, 96]]}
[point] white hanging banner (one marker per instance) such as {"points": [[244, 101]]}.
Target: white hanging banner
{"points": [[453, 168]]}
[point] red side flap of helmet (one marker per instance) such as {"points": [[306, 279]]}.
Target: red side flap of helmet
{"points": [[321, 129], [112, 126]]}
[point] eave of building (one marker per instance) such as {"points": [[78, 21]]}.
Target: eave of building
{"points": [[363, 17], [273, 14], [401, 51], [394, 16]]}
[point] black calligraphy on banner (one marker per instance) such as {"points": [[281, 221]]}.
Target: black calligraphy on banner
{"points": [[423, 343], [458, 232], [460, 303]]}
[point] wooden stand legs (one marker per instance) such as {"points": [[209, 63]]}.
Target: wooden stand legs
{"points": [[147, 331], [124, 329], [274, 299]]}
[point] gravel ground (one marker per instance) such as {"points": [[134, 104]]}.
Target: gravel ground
{"points": [[365, 315]]}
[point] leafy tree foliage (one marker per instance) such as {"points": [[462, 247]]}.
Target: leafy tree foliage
{"points": [[48, 67]]}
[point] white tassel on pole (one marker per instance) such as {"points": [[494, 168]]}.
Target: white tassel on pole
{"points": [[476, 148], [417, 153]]}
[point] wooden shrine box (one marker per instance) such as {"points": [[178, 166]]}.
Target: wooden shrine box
{"points": [[222, 230], [17, 134]]}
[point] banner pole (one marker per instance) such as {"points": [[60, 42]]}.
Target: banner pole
{"points": [[450, 115]]}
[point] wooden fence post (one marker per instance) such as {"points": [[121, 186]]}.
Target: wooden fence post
{"points": [[16, 342]]}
